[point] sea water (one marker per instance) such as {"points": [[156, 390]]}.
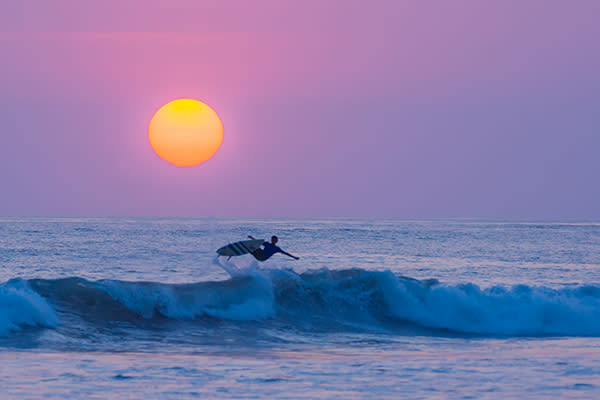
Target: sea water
{"points": [[142, 308]]}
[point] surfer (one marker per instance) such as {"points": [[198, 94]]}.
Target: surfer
{"points": [[269, 249]]}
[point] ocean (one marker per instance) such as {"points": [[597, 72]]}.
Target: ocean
{"points": [[135, 308]]}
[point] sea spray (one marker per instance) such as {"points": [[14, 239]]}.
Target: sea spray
{"points": [[518, 310], [241, 298]]}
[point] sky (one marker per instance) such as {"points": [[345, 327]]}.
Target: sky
{"points": [[330, 108]]}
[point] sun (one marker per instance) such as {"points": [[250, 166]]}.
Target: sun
{"points": [[185, 132]]}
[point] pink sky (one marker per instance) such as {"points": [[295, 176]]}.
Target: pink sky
{"points": [[331, 108]]}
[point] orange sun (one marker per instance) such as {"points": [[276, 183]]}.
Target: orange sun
{"points": [[185, 132]]}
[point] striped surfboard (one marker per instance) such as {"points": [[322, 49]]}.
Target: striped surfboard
{"points": [[240, 248]]}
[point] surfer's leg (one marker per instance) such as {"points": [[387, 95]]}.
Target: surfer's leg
{"points": [[258, 254]]}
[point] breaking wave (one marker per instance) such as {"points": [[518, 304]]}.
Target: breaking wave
{"points": [[322, 300], [20, 306]]}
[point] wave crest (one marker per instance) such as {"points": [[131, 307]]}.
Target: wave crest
{"points": [[518, 310]]}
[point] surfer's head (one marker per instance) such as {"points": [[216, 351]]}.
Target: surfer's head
{"points": [[274, 239]]}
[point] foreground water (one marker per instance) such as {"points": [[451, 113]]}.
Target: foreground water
{"points": [[134, 308]]}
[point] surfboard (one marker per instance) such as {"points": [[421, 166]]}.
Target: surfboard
{"points": [[240, 248]]}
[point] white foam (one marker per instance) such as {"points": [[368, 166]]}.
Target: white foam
{"points": [[250, 297], [519, 310], [19, 305]]}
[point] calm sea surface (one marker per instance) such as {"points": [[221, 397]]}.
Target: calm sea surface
{"points": [[142, 308]]}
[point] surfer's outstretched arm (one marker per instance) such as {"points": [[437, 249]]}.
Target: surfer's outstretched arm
{"points": [[290, 255]]}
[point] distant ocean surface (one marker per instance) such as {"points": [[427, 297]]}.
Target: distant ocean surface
{"points": [[142, 308]]}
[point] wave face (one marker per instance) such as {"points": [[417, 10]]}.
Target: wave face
{"points": [[315, 301]]}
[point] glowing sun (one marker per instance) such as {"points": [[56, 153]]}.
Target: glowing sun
{"points": [[185, 132]]}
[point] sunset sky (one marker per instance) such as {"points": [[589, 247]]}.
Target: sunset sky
{"points": [[408, 109]]}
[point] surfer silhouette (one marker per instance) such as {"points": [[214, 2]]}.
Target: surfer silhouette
{"points": [[269, 248]]}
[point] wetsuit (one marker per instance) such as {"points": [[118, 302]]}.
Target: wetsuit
{"points": [[267, 252]]}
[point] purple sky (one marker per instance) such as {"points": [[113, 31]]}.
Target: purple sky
{"points": [[404, 109]]}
